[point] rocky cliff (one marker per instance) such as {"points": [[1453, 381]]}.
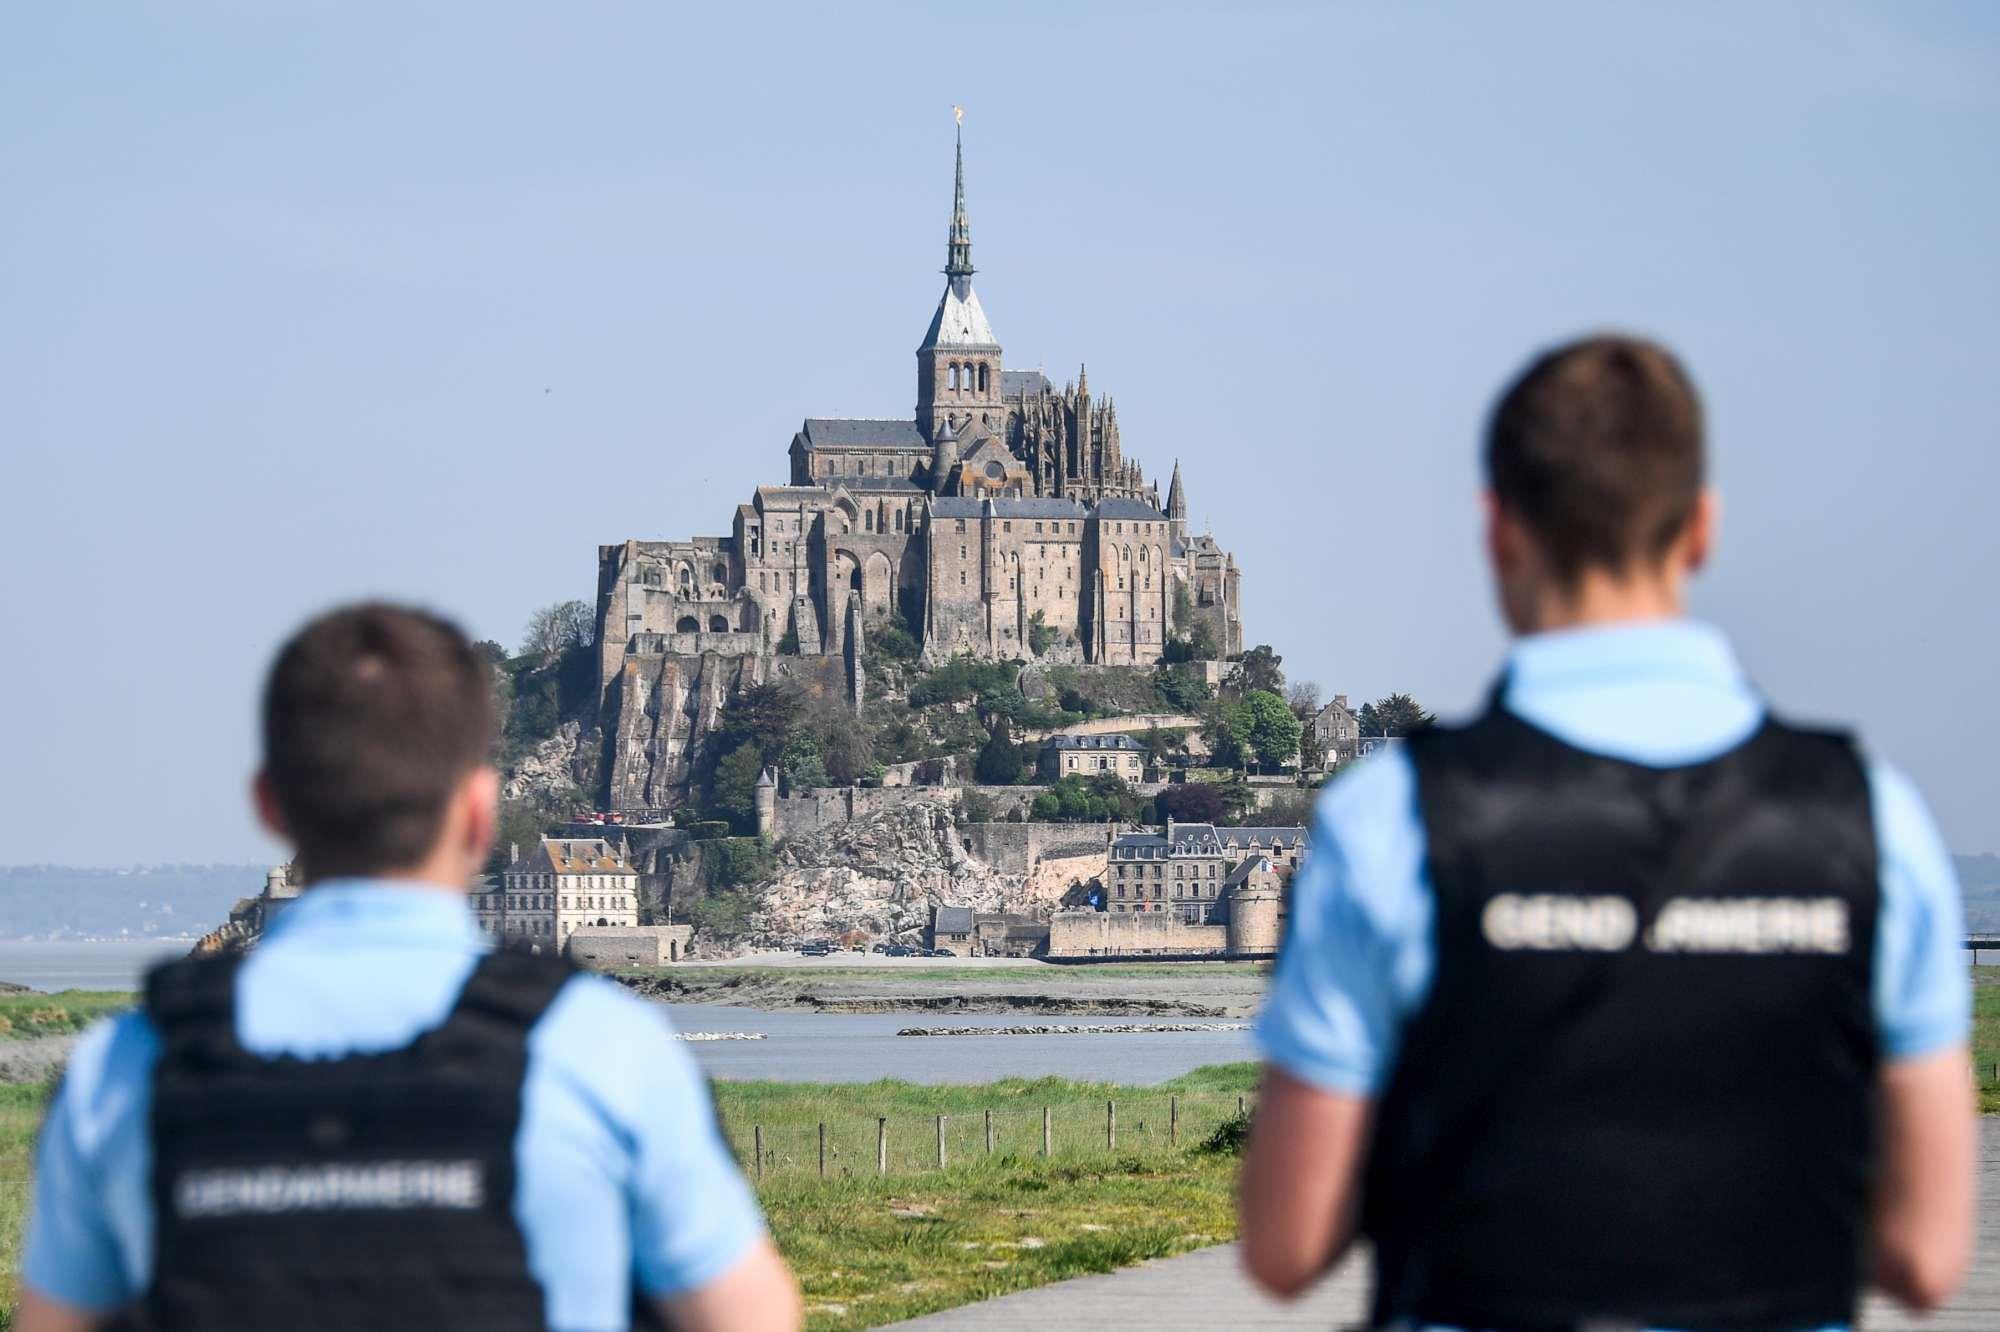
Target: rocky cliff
{"points": [[883, 872]]}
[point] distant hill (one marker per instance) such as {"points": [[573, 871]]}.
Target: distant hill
{"points": [[57, 902], [1979, 877]]}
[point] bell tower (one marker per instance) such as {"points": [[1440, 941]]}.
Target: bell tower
{"points": [[958, 365]]}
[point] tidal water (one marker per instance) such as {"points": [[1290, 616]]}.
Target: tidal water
{"points": [[861, 1047], [111, 965], [798, 1046]]}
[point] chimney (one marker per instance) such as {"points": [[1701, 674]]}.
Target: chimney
{"points": [[513, 853], [1340, 699]]}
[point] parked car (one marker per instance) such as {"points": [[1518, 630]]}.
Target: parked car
{"points": [[902, 950], [879, 948], [939, 952], [815, 950]]}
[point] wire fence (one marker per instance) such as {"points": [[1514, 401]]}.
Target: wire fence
{"points": [[902, 1144]]}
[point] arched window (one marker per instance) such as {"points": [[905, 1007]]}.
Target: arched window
{"points": [[899, 520], [688, 625], [718, 624], [982, 376], [953, 382], [722, 573], [868, 520]]}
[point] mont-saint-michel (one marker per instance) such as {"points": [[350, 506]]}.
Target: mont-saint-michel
{"points": [[1002, 519]]}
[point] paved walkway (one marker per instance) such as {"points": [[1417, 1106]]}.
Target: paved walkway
{"points": [[1206, 1289]]}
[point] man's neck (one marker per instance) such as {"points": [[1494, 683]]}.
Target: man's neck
{"points": [[1602, 597]]}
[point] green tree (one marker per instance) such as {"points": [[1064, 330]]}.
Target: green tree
{"points": [[1398, 714], [1160, 745], [802, 762], [734, 793], [1181, 687], [762, 717], [1041, 637], [1272, 731], [1259, 670], [894, 642], [1000, 761], [553, 630], [1189, 802], [738, 862]]}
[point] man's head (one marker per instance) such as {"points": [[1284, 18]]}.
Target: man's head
{"points": [[1596, 481], [377, 722]]}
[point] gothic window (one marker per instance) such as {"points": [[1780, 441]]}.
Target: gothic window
{"points": [[688, 625], [868, 520], [899, 520], [952, 382], [982, 376], [717, 624], [722, 573]]}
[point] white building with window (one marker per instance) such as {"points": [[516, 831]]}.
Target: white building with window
{"points": [[563, 885]]}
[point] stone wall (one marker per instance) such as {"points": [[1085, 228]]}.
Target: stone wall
{"points": [[807, 812], [633, 946], [1015, 848], [1074, 934]]}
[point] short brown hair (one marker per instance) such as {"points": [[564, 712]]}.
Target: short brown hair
{"points": [[1597, 447], [372, 716]]}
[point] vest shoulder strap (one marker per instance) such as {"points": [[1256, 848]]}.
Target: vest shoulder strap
{"points": [[192, 1004], [506, 994]]}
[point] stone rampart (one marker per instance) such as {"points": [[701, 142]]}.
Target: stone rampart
{"points": [[606, 947], [1015, 848], [806, 812], [1075, 934]]}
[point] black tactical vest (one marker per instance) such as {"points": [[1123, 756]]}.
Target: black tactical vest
{"points": [[1639, 1091], [368, 1192]]}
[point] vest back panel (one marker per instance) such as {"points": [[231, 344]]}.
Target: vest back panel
{"points": [[1641, 1085], [370, 1191]]}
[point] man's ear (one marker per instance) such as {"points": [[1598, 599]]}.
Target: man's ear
{"points": [[1697, 542], [479, 797], [1505, 547], [269, 813]]}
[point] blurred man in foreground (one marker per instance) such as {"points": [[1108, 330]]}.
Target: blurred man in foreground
{"points": [[1625, 1004], [375, 1120]]}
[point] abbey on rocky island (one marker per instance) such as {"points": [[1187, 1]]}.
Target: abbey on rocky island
{"points": [[1003, 520], [1003, 497]]}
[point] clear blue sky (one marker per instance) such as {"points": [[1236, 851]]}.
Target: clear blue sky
{"points": [[301, 302]]}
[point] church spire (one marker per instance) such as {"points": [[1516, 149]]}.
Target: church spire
{"points": [[1176, 497], [958, 257]]}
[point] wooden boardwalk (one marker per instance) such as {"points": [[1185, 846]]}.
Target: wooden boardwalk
{"points": [[1205, 1289]]}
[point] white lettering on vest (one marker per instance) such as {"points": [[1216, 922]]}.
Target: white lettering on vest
{"points": [[1750, 925], [352, 1186], [1553, 922]]}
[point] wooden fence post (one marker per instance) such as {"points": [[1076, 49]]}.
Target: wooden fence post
{"points": [[1111, 1125], [989, 1133], [940, 1142], [1045, 1130], [758, 1138], [1173, 1121], [822, 1148], [881, 1146]]}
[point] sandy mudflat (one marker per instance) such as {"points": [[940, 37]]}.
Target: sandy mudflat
{"points": [[965, 985]]}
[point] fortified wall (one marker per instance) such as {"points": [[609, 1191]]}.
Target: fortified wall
{"points": [[607, 948]]}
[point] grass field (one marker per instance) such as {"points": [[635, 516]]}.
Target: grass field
{"points": [[25, 1015], [872, 1248]]}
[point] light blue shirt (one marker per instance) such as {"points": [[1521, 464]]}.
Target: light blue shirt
{"points": [[1360, 948], [622, 1174]]}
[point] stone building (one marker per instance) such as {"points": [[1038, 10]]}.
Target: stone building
{"points": [[1186, 869], [1001, 518], [1336, 732], [563, 885], [1088, 755]]}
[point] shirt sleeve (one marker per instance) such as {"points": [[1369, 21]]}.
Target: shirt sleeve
{"points": [[691, 1215], [1922, 988], [1358, 951], [71, 1253]]}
